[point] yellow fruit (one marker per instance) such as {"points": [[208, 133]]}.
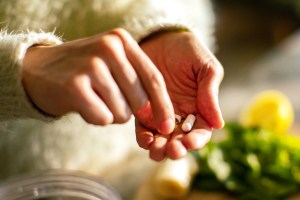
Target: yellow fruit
{"points": [[270, 109]]}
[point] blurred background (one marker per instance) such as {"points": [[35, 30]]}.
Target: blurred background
{"points": [[259, 46], [248, 28]]}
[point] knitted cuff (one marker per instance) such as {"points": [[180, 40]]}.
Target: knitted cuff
{"points": [[148, 17], [161, 28], [14, 103], [143, 27]]}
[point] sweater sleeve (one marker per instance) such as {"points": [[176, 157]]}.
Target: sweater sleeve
{"points": [[145, 17], [14, 103]]}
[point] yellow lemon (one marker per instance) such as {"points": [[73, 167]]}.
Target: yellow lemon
{"points": [[270, 109]]}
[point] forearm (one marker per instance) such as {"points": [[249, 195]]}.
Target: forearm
{"points": [[14, 103]]}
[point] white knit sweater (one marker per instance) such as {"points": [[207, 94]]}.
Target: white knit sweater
{"points": [[70, 143], [77, 18]]}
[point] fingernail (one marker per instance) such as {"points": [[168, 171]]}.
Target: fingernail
{"points": [[166, 127]]}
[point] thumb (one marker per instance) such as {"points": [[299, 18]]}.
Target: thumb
{"points": [[207, 95]]}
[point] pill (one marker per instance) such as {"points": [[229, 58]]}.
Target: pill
{"points": [[177, 119], [188, 123]]}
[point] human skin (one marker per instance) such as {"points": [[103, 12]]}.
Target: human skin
{"points": [[108, 77], [192, 75]]}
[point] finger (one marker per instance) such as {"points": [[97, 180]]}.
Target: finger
{"points": [[199, 136], [89, 105], [106, 87], [175, 148], [125, 76], [207, 95], [144, 136], [196, 139], [152, 81], [158, 147]]}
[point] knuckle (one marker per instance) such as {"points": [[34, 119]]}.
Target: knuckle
{"points": [[109, 42], [73, 85], [157, 80], [103, 121], [94, 64], [95, 118], [122, 118], [121, 32], [213, 67], [123, 114], [90, 120], [124, 36], [111, 45]]}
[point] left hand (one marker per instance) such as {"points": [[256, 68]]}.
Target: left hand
{"points": [[192, 75]]}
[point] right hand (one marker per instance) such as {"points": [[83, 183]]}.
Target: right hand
{"points": [[105, 78]]}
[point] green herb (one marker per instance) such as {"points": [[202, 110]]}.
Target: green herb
{"points": [[251, 163]]}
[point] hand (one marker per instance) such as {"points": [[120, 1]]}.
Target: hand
{"points": [[192, 75], [105, 78]]}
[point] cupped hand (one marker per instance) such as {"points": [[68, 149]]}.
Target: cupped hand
{"points": [[192, 75], [105, 78]]}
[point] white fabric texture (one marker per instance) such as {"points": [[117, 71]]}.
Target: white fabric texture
{"points": [[29, 145], [13, 100], [73, 19]]}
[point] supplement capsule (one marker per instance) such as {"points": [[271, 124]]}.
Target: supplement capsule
{"points": [[188, 123], [177, 119]]}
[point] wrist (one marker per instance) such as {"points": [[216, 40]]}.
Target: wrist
{"points": [[161, 32], [29, 68]]}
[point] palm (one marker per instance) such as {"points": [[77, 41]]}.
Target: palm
{"points": [[183, 69], [181, 81], [190, 80]]}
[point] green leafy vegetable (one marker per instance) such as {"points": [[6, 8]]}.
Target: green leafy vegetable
{"points": [[251, 163]]}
